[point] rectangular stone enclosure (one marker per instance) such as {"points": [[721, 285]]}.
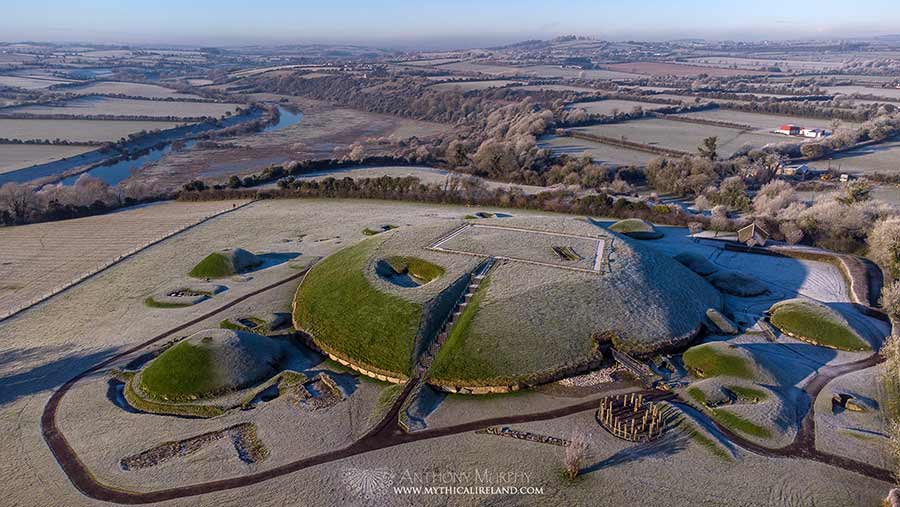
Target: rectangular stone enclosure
{"points": [[532, 246]]}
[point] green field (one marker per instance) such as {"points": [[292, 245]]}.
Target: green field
{"points": [[338, 306], [817, 324]]}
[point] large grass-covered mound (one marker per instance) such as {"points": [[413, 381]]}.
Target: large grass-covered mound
{"points": [[636, 228], [532, 319], [816, 323], [223, 263], [347, 315], [210, 363]]}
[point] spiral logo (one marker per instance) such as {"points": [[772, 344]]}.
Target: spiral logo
{"points": [[368, 483]]}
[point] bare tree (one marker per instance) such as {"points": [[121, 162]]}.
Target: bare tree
{"points": [[884, 245], [890, 300], [577, 453], [18, 201]]}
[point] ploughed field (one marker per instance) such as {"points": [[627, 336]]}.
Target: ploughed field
{"points": [[881, 158], [125, 88], [39, 258], [465, 86], [76, 131], [17, 156], [763, 122], [601, 153], [608, 107], [680, 135], [86, 106], [537, 71]]}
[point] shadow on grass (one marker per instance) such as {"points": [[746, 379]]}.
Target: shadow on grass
{"points": [[668, 445], [273, 259], [47, 376]]}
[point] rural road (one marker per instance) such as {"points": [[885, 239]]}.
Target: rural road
{"points": [[387, 432]]}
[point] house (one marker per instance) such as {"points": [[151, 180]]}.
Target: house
{"points": [[801, 171], [788, 130], [845, 177], [753, 235]]}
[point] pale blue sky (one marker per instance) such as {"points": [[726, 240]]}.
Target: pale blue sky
{"points": [[457, 22]]}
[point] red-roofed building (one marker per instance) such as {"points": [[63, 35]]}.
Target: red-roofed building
{"points": [[788, 130]]}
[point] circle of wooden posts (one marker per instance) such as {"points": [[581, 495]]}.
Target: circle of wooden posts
{"points": [[631, 417]]}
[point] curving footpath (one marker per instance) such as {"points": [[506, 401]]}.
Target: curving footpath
{"points": [[387, 432]]}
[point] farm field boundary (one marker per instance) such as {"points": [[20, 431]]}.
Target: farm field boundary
{"points": [[103, 267], [667, 152], [704, 121]]}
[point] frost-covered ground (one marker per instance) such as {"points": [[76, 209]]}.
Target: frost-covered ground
{"points": [[49, 344]]}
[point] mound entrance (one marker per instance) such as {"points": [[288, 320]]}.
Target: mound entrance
{"points": [[518, 244]]}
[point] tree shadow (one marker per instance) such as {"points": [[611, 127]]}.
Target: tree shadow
{"points": [[46, 376], [273, 259], [668, 445]]}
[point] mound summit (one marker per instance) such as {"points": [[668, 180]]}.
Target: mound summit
{"points": [[210, 363], [227, 262], [558, 287]]}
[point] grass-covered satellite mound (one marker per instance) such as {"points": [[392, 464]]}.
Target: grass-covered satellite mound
{"points": [[381, 303], [718, 359], [816, 323], [636, 228], [210, 363], [224, 263]]}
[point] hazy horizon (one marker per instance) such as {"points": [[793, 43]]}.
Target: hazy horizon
{"points": [[435, 25]]}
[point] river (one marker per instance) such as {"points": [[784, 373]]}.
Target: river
{"points": [[122, 169]]}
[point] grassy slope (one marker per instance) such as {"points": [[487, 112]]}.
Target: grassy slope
{"points": [[812, 323], [338, 306], [748, 393], [183, 371], [737, 423], [631, 225], [459, 357], [214, 265], [706, 361]]}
